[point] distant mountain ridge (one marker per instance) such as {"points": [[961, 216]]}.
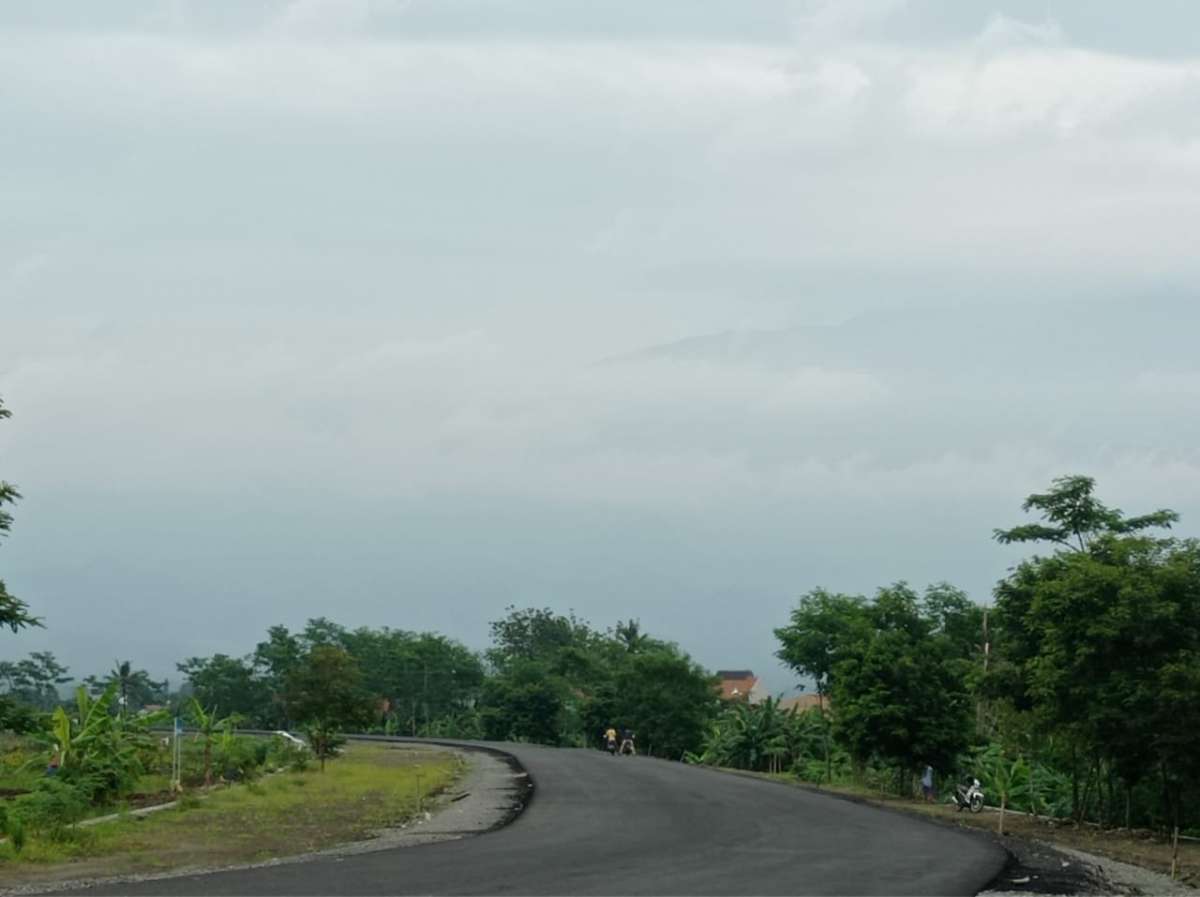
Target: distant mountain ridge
{"points": [[1054, 339]]}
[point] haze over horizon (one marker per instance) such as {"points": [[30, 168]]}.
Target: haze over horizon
{"points": [[399, 312]]}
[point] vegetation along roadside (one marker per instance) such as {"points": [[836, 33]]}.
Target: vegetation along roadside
{"points": [[370, 787]]}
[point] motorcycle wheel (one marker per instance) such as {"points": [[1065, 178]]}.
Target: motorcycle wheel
{"points": [[976, 803]]}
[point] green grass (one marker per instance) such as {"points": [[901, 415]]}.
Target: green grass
{"points": [[16, 757], [369, 788]]}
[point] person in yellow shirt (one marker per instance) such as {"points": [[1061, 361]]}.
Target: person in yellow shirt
{"points": [[610, 740]]}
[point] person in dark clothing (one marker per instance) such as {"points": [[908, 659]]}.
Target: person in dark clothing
{"points": [[627, 742]]}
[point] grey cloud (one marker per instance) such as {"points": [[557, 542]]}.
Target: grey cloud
{"points": [[665, 311]]}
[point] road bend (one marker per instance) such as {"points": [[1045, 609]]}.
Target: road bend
{"points": [[598, 824]]}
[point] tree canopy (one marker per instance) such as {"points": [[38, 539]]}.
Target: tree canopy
{"points": [[14, 613]]}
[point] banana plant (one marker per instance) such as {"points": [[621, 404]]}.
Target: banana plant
{"points": [[73, 740], [1005, 774], [209, 724]]}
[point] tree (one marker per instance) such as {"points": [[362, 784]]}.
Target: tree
{"points": [[538, 634], [1075, 518], [35, 680], [135, 688], [1100, 643], [425, 678], [897, 692], [326, 695], [823, 628], [14, 613], [274, 660], [230, 683], [526, 702], [667, 699]]}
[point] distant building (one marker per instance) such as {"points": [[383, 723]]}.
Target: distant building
{"points": [[740, 685], [803, 702]]}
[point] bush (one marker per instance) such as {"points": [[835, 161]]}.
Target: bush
{"points": [[16, 833], [50, 809], [239, 757], [284, 754]]}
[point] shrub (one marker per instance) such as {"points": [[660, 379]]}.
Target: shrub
{"points": [[284, 754], [16, 833], [50, 809], [239, 757]]}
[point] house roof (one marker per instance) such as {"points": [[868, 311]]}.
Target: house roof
{"points": [[736, 683]]}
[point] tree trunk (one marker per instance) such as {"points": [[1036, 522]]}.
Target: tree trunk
{"points": [[207, 760], [1074, 783], [825, 718]]}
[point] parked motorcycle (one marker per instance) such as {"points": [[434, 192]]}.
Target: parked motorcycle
{"points": [[968, 795]]}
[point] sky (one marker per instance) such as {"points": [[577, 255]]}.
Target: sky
{"points": [[403, 311]]}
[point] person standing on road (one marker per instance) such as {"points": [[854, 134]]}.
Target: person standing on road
{"points": [[927, 784]]}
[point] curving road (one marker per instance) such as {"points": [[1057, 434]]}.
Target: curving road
{"points": [[609, 825]]}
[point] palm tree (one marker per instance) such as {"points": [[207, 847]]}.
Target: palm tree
{"points": [[132, 685]]}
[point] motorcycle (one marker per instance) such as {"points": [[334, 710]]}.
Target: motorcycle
{"points": [[611, 746], [969, 796]]}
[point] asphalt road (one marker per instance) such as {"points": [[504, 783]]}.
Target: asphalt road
{"points": [[633, 825]]}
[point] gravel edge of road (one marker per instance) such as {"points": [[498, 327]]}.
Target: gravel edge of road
{"points": [[503, 778]]}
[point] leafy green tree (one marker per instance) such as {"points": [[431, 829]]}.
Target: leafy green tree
{"points": [[424, 678], [134, 688], [1111, 655], [35, 680], [230, 683], [527, 702], [1073, 517], [18, 718], [540, 634], [326, 695], [667, 699], [321, 631], [897, 694], [274, 660], [14, 613], [1100, 640], [824, 627]]}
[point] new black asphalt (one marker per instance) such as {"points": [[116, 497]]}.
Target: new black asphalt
{"points": [[598, 824]]}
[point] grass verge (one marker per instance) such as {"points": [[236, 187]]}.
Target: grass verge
{"points": [[371, 787]]}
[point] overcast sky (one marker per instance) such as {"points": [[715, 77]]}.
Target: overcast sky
{"points": [[402, 311]]}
